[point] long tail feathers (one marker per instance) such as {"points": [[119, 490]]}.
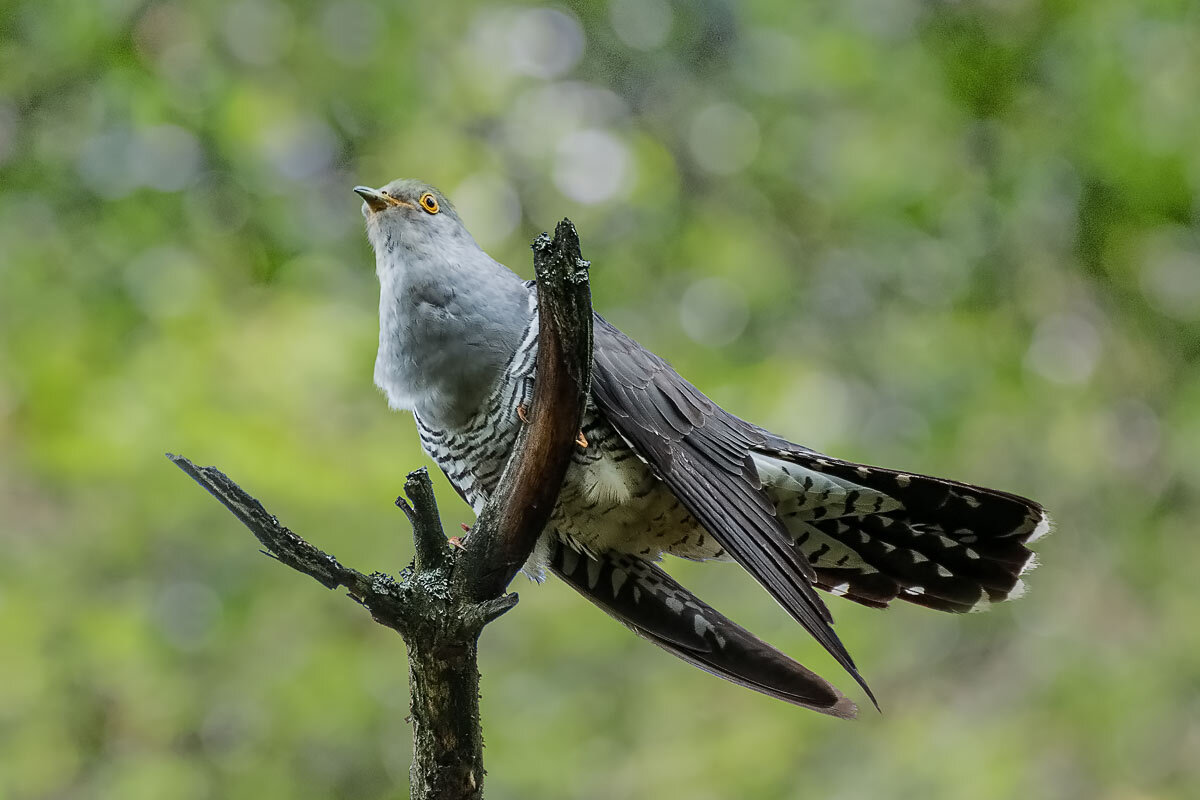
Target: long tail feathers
{"points": [[874, 535], [647, 600]]}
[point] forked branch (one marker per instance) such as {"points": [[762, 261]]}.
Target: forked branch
{"points": [[441, 603]]}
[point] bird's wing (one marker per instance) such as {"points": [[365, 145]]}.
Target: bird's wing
{"points": [[654, 606], [704, 455]]}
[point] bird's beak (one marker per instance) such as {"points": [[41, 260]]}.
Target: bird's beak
{"points": [[375, 199]]}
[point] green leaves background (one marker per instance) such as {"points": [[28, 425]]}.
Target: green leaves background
{"points": [[959, 238]]}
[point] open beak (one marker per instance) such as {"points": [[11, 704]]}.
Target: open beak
{"points": [[375, 199]]}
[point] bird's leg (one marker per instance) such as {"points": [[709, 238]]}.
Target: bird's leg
{"points": [[521, 415], [460, 541], [581, 440]]}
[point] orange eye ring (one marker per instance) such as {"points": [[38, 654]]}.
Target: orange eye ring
{"points": [[429, 203]]}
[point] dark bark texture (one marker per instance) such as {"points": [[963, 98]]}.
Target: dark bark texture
{"points": [[442, 602]]}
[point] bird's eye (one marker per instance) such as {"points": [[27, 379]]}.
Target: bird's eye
{"points": [[429, 203]]}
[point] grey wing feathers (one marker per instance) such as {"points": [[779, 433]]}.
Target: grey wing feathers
{"points": [[653, 605], [703, 454]]}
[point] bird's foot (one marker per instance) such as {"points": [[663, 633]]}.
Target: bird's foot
{"points": [[581, 440], [459, 542], [521, 413]]}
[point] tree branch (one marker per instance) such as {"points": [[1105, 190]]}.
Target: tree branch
{"points": [[429, 540], [443, 601], [280, 542], [517, 512]]}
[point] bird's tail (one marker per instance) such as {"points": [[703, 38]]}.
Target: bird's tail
{"points": [[874, 535], [648, 601]]}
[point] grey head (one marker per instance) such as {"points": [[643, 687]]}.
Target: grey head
{"points": [[450, 316]]}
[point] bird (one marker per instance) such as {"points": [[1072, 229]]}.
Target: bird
{"points": [[660, 469]]}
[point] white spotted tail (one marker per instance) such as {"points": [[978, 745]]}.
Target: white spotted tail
{"points": [[873, 535]]}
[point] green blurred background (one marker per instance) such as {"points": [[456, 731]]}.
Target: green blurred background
{"points": [[958, 238]]}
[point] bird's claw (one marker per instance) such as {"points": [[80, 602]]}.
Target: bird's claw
{"points": [[521, 415], [581, 440], [460, 542]]}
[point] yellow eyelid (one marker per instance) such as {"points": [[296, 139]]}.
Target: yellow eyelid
{"points": [[430, 203]]}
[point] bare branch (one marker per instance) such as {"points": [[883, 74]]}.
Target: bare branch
{"points": [[441, 605], [280, 542], [428, 537], [517, 512]]}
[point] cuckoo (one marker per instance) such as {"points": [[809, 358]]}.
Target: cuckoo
{"points": [[660, 468]]}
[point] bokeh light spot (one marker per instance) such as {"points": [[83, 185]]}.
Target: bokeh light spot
{"points": [[641, 24], [769, 61], [351, 31], [1170, 274], [117, 161], [592, 166], [823, 402], [713, 312], [258, 32], [723, 138], [301, 148], [489, 206], [167, 157], [1065, 349], [545, 42]]}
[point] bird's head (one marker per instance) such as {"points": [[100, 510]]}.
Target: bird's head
{"points": [[409, 218], [450, 316]]}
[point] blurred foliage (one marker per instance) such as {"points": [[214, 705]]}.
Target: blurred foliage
{"points": [[955, 237]]}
